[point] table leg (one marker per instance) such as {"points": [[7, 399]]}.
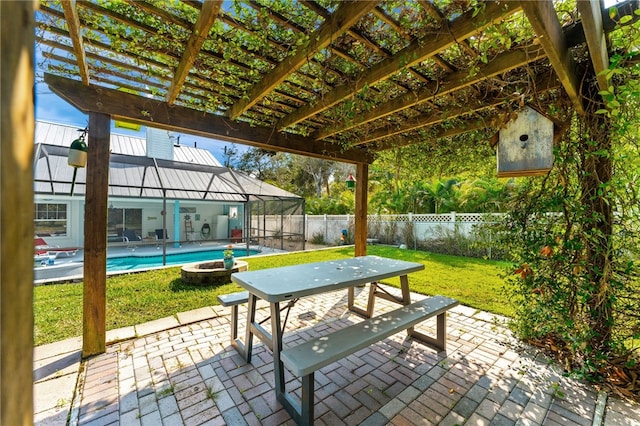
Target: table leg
{"points": [[251, 318], [406, 298], [368, 313], [276, 336], [439, 342], [404, 286]]}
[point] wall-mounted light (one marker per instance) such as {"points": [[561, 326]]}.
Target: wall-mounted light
{"points": [[77, 155], [351, 181]]}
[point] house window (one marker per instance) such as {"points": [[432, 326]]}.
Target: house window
{"points": [[51, 220], [119, 219]]}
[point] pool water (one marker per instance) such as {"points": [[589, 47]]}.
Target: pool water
{"points": [[126, 263]]}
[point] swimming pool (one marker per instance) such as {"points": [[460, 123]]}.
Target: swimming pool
{"points": [[126, 263]]}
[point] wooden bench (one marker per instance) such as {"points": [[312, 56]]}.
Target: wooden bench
{"points": [[304, 359], [233, 300]]}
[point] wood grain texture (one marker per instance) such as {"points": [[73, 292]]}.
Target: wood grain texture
{"points": [[362, 188], [16, 204], [95, 237]]}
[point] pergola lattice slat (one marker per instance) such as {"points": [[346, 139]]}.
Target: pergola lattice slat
{"points": [[206, 19], [347, 14], [416, 52]]}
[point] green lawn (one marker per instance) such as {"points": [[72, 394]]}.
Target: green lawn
{"points": [[141, 297]]}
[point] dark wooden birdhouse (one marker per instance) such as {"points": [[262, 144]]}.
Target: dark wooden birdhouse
{"points": [[525, 146]]}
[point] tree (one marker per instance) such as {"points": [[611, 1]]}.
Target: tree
{"points": [[320, 171], [229, 155]]}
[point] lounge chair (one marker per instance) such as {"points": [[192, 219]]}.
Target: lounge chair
{"points": [[160, 234], [131, 237], [42, 249]]}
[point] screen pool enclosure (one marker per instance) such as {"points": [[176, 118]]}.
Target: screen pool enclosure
{"points": [[269, 217]]}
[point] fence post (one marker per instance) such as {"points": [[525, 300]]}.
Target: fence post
{"points": [[326, 238], [452, 218], [413, 230]]}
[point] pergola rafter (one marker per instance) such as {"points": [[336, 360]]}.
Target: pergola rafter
{"points": [[544, 21], [596, 40], [73, 25], [125, 106], [347, 15], [199, 35], [418, 51], [504, 62]]}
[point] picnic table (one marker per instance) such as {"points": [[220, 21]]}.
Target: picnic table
{"points": [[289, 283]]}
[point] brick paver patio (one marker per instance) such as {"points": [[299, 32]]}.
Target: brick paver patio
{"points": [[191, 375]]}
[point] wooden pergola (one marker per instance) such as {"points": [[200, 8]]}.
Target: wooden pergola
{"points": [[334, 80]]}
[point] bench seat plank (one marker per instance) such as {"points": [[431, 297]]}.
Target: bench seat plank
{"points": [[321, 351], [232, 299]]}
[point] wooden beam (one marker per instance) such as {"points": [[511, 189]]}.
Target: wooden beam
{"points": [[542, 16], [73, 25], [456, 81], [94, 332], [542, 84], [149, 112], [16, 211], [199, 34], [362, 188], [347, 14], [469, 126], [424, 120], [596, 40], [416, 52]]}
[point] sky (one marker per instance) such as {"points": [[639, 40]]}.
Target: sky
{"points": [[52, 108]]}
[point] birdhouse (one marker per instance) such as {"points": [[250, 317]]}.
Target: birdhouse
{"points": [[351, 181], [525, 146]]}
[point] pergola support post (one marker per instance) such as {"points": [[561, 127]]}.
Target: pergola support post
{"points": [[16, 206], [95, 236], [362, 183], [597, 173]]}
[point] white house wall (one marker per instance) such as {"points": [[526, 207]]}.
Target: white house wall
{"points": [[205, 212]]}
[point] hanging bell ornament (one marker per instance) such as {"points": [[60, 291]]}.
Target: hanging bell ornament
{"points": [[77, 157], [78, 153]]}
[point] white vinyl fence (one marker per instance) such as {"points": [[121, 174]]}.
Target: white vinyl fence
{"points": [[384, 229], [390, 229]]}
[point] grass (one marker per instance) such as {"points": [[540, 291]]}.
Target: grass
{"points": [[141, 297]]}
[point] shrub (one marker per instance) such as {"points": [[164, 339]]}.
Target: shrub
{"points": [[317, 238]]}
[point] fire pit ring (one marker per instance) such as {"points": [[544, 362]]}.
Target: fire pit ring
{"points": [[211, 272]]}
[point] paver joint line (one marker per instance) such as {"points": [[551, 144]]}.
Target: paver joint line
{"points": [[481, 374]]}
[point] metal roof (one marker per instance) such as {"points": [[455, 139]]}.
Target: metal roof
{"points": [[144, 177], [63, 135]]}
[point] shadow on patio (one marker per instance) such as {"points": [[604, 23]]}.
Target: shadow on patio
{"points": [[190, 374]]}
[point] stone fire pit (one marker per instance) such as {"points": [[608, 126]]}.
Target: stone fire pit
{"points": [[211, 272]]}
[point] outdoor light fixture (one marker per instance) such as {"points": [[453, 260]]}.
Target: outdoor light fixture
{"points": [[77, 155], [351, 181]]}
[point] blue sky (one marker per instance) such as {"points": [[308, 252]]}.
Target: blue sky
{"points": [[52, 108]]}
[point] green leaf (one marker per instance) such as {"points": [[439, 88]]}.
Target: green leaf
{"points": [[625, 19]]}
